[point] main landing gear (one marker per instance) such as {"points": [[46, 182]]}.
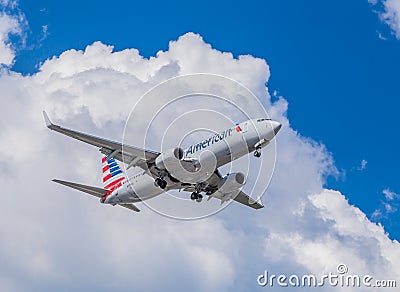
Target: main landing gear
{"points": [[196, 197], [257, 153], [161, 183]]}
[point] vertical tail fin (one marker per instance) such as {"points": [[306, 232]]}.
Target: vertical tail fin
{"points": [[112, 173]]}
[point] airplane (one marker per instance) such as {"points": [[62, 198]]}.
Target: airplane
{"points": [[194, 169]]}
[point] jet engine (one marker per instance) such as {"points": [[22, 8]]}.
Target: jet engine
{"points": [[231, 183], [187, 170], [169, 159]]}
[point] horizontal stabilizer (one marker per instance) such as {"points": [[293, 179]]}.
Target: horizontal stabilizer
{"points": [[94, 191], [130, 207]]}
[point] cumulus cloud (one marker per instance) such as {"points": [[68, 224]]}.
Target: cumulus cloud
{"points": [[10, 24], [54, 237], [342, 235], [390, 14], [58, 236]]}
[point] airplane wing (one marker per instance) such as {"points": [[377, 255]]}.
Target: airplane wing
{"points": [[241, 197], [132, 155], [94, 191], [248, 201]]}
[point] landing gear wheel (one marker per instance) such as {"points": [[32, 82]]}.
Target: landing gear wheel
{"points": [[194, 196], [161, 183], [257, 153], [199, 198]]}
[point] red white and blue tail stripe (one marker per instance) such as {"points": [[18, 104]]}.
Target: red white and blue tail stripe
{"points": [[112, 173]]}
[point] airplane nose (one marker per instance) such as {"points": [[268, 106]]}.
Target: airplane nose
{"points": [[276, 126]]}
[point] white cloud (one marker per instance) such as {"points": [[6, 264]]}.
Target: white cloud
{"points": [[390, 195], [390, 14], [56, 227], [10, 24], [389, 208], [54, 237], [363, 165], [45, 32], [389, 205], [9, 3], [376, 215], [380, 36], [342, 234]]}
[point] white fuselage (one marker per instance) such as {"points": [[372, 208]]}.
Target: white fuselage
{"points": [[213, 152]]}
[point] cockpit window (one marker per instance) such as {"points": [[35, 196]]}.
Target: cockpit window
{"points": [[261, 120]]}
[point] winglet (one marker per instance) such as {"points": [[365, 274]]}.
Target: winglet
{"points": [[47, 120]]}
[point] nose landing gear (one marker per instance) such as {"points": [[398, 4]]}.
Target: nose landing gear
{"points": [[263, 142]]}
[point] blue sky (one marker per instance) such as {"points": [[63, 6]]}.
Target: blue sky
{"points": [[326, 59], [335, 65]]}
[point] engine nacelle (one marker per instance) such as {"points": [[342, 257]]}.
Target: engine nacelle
{"points": [[169, 158], [231, 183], [188, 170]]}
